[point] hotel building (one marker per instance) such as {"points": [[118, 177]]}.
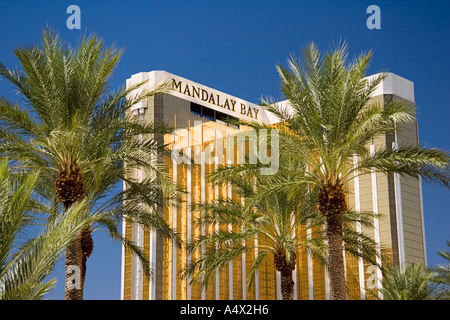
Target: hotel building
{"points": [[201, 115]]}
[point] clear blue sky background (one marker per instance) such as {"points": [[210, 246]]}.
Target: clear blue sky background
{"points": [[233, 46]]}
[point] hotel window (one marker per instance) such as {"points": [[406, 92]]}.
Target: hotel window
{"points": [[213, 115]]}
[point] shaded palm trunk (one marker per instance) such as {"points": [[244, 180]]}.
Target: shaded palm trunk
{"points": [[77, 253], [285, 268], [75, 270], [332, 205], [70, 187], [336, 259]]}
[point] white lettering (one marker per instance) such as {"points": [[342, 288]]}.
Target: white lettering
{"points": [[74, 21], [197, 310], [74, 280], [372, 280], [374, 21]]}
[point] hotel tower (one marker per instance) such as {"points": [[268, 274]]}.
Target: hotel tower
{"points": [[202, 117]]}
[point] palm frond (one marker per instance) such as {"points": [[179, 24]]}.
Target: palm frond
{"points": [[430, 164], [24, 269]]}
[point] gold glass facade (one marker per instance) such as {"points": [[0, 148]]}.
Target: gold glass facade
{"points": [[399, 232]]}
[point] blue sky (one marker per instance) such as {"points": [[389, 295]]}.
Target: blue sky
{"points": [[233, 46]]}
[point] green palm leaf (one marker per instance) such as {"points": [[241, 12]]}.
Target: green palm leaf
{"points": [[71, 121]]}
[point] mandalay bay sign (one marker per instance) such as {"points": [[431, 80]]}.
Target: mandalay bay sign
{"points": [[228, 146], [215, 99], [250, 146]]}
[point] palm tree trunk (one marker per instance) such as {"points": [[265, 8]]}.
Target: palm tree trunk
{"points": [[287, 284], [336, 259], [285, 268], [75, 270], [70, 187], [332, 205], [77, 253]]}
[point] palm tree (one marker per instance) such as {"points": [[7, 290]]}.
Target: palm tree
{"points": [[412, 282], [333, 122], [25, 267], [441, 275], [79, 134], [275, 219]]}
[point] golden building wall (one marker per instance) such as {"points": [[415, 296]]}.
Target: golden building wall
{"points": [[372, 192]]}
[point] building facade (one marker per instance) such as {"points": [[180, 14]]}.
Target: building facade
{"points": [[203, 119]]}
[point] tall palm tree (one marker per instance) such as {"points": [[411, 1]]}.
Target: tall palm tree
{"points": [[275, 219], [79, 133], [334, 123], [25, 267]]}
